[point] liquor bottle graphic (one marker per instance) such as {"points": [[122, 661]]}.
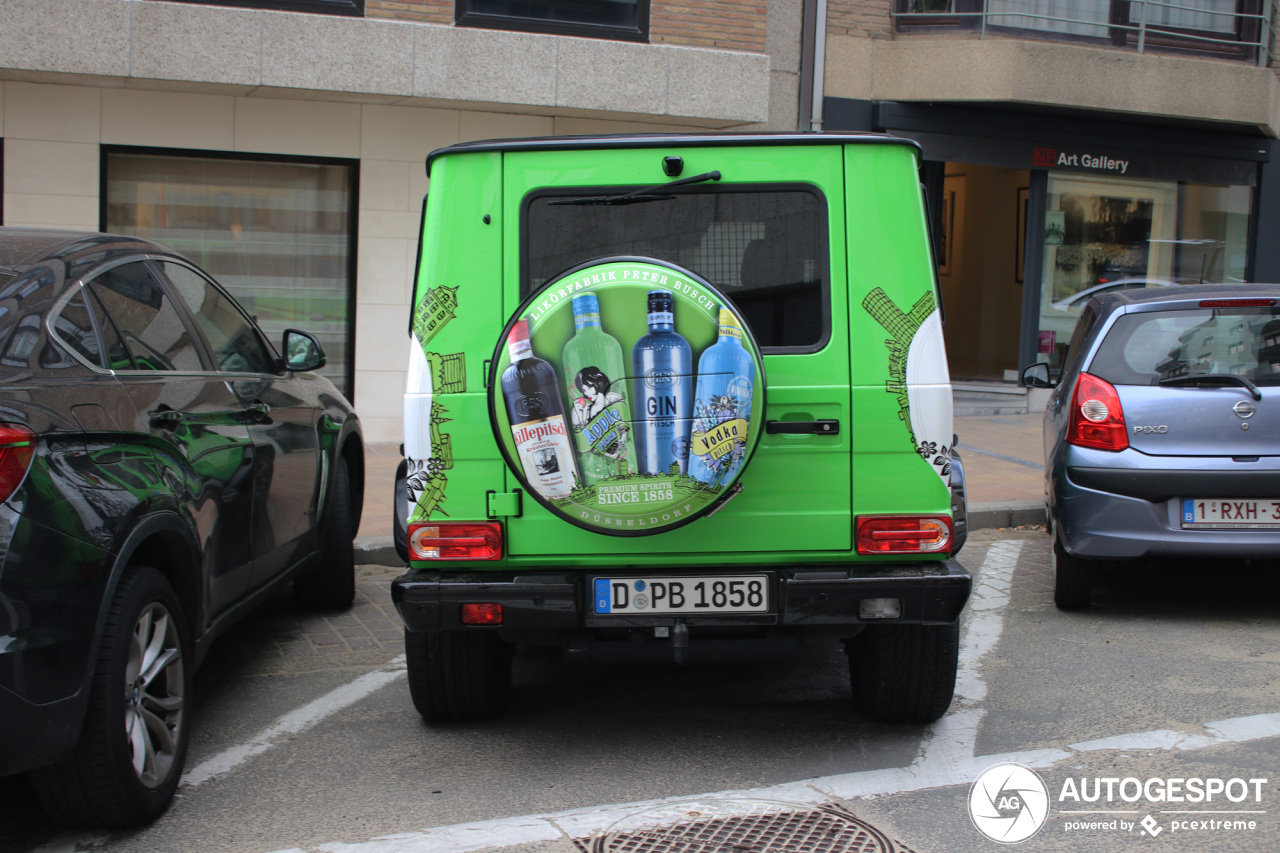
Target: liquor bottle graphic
{"points": [[661, 364], [722, 406], [601, 419], [536, 414]]}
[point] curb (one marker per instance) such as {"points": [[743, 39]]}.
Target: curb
{"points": [[1006, 514], [376, 551]]}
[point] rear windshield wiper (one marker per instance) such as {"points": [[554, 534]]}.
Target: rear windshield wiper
{"points": [[637, 196], [1213, 379]]}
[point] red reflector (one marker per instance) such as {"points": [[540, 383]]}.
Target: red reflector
{"points": [[903, 534], [1097, 420], [17, 448], [455, 541], [482, 614], [1237, 303]]}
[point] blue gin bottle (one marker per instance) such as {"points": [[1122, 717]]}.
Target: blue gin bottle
{"points": [[722, 406], [662, 367]]}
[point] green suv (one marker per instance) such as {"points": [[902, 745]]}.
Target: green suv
{"points": [[683, 393]]}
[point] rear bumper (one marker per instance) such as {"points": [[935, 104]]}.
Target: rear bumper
{"points": [[1114, 511], [825, 599], [35, 735]]}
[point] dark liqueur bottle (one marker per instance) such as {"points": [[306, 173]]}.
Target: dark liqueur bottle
{"points": [[536, 414]]}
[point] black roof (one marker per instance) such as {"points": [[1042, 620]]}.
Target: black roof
{"points": [[20, 247], [667, 140]]}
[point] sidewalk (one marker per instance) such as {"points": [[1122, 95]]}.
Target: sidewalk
{"points": [[1003, 466], [1003, 469]]}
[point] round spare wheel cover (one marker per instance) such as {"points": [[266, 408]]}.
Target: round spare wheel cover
{"points": [[627, 396]]}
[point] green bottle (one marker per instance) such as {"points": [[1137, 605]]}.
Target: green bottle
{"points": [[596, 380]]}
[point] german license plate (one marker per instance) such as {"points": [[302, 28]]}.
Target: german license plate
{"points": [[1230, 512], [681, 595]]}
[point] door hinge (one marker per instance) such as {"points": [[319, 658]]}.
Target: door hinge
{"points": [[507, 504]]}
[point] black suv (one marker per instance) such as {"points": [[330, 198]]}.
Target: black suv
{"points": [[162, 470]]}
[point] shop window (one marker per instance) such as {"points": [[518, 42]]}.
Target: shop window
{"points": [[610, 19], [1104, 235], [323, 7], [1225, 27], [277, 234]]}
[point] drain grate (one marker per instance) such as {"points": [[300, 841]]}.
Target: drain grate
{"points": [[755, 826]]}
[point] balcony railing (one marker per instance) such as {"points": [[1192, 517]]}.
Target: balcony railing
{"points": [[1241, 29]]}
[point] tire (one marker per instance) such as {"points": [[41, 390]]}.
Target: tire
{"points": [[332, 585], [1072, 579], [904, 673], [128, 763], [458, 676]]}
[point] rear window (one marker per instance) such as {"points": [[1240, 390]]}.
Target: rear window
{"points": [[764, 249], [1143, 349]]}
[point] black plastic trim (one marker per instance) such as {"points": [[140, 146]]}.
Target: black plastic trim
{"points": [[1162, 485], [819, 596], [668, 140]]}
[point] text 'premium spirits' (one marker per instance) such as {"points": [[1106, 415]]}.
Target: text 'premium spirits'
{"points": [[595, 371], [661, 363], [536, 414]]}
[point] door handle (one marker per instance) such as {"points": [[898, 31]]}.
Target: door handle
{"points": [[258, 412], [822, 427], [166, 418]]}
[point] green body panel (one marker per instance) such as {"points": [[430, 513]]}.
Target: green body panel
{"points": [[888, 240], [455, 315], [800, 493]]}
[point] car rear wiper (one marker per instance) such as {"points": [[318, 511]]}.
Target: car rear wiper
{"points": [[1213, 379], [641, 195]]}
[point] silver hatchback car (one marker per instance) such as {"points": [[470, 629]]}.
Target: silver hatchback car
{"points": [[1162, 435]]}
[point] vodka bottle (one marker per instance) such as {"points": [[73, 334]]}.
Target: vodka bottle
{"points": [[595, 373], [537, 419], [722, 406], [662, 364]]}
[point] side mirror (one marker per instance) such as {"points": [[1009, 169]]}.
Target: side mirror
{"points": [[1037, 376], [302, 352]]}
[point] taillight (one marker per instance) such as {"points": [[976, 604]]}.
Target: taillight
{"points": [[1097, 420], [455, 541], [17, 447], [903, 534], [481, 614], [1237, 303]]}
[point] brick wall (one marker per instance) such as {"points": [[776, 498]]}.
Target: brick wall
{"points": [[727, 24], [423, 11], [863, 18]]}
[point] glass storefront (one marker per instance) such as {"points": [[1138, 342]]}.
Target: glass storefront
{"points": [[278, 235], [1104, 233]]}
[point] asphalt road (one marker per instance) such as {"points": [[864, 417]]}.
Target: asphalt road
{"points": [[305, 739]]}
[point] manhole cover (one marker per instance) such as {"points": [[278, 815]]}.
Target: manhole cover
{"points": [[741, 826]]}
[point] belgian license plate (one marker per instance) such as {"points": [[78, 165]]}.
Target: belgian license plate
{"points": [[681, 595], [1230, 512]]}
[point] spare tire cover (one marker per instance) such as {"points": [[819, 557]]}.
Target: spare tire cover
{"points": [[627, 395]]}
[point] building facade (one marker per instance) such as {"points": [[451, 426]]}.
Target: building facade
{"points": [[1070, 146], [281, 143]]}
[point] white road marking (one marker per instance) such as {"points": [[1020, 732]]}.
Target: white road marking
{"points": [[296, 721], [946, 757]]}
